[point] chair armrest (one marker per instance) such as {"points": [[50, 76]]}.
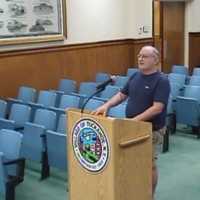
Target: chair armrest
{"points": [[20, 165], [100, 99], [19, 128], [7, 124], [29, 125], [57, 109], [15, 100], [58, 92], [35, 104], [79, 95]]}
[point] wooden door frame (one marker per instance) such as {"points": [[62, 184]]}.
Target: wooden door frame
{"points": [[160, 27]]}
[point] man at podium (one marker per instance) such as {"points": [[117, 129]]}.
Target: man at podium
{"points": [[147, 92]]}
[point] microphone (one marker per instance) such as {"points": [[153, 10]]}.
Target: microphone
{"points": [[99, 89], [102, 86]]}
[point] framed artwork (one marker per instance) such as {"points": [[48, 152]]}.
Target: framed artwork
{"points": [[28, 21]]}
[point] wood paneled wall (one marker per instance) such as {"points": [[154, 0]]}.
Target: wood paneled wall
{"points": [[43, 68], [194, 49]]}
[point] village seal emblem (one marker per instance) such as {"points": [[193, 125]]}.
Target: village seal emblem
{"points": [[90, 145]]}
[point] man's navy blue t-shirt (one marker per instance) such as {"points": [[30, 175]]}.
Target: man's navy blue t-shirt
{"points": [[142, 91]]}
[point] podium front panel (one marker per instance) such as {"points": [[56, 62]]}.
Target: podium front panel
{"points": [[109, 159]]}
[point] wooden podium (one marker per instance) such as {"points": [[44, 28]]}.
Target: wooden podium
{"points": [[109, 158]]}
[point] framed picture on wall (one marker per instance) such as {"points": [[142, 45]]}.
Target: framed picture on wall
{"points": [[28, 21]]}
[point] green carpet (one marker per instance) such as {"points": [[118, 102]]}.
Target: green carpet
{"points": [[179, 175], [179, 170]]}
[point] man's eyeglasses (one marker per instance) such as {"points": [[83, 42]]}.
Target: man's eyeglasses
{"points": [[144, 56]]}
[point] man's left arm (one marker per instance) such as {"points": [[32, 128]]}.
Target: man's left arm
{"points": [[148, 114]]}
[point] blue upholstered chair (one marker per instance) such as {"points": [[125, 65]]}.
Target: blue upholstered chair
{"points": [[25, 95], [56, 145], [34, 138], [66, 86], [67, 101], [180, 69], [194, 80], [121, 81], [108, 93], [131, 71], [57, 150], [11, 164], [177, 78], [3, 105], [196, 71], [101, 77], [187, 108], [86, 89], [118, 111], [93, 104], [19, 115]]}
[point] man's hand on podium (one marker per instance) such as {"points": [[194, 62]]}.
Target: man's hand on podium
{"points": [[102, 110]]}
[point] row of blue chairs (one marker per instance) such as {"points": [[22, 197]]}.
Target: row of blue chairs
{"points": [[11, 164], [182, 79], [185, 108], [101, 76], [181, 69], [47, 99], [39, 142]]}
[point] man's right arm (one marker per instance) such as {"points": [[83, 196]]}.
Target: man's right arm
{"points": [[115, 100]]}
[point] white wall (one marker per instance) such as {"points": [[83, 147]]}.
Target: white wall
{"points": [[95, 20], [100, 20], [192, 23], [140, 19]]}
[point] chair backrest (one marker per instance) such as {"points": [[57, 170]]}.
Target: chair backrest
{"points": [[62, 124], [101, 77], [170, 109], [3, 175], [92, 104], [3, 106], [118, 111], [177, 78], [175, 89], [195, 80], [20, 113], [10, 143], [131, 71], [46, 118], [27, 94], [47, 98], [121, 81], [187, 111], [180, 69], [87, 88], [56, 150], [196, 71], [67, 86], [69, 101], [192, 92], [109, 91]]}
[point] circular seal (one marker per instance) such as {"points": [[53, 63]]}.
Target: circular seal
{"points": [[90, 145]]}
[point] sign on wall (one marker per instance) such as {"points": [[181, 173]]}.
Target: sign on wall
{"points": [[24, 21]]}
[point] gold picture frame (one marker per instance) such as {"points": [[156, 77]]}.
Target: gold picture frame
{"points": [[31, 21]]}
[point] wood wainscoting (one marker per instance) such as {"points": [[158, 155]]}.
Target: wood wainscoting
{"points": [[43, 68], [194, 49]]}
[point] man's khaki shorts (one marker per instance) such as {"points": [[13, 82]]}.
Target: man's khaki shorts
{"points": [[158, 138]]}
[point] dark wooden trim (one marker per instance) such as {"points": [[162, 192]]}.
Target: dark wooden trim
{"points": [[194, 33], [59, 48], [194, 48], [143, 40]]}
